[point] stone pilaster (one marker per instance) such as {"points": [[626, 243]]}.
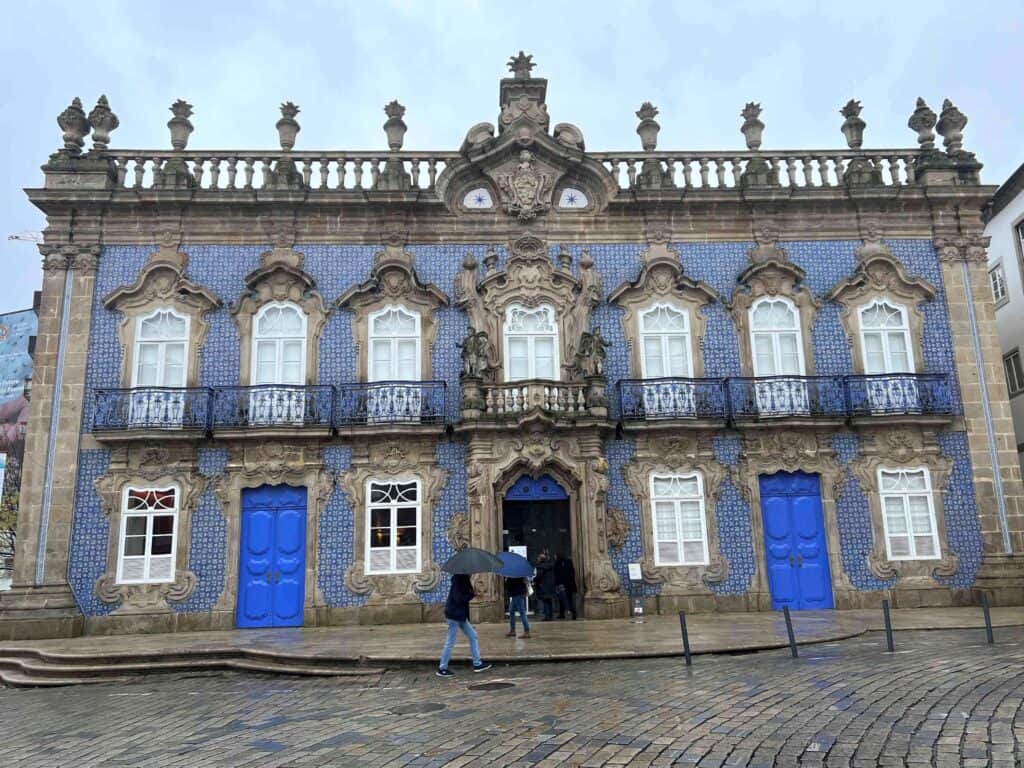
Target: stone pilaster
{"points": [[40, 603]]}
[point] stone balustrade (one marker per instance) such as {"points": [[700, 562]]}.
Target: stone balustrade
{"points": [[555, 398]]}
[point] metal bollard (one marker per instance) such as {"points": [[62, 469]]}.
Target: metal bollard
{"points": [[888, 626], [686, 638], [789, 631], [988, 618]]}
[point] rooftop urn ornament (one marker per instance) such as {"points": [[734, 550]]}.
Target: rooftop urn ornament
{"points": [[923, 121], [103, 121], [752, 127], [950, 126], [395, 127], [853, 127], [288, 127], [521, 65], [648, 128], [75, 126], [180, 125]]}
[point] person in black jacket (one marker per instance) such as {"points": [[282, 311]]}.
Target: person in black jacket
{"points": [[456, 611], [515, 589], [565, 586], [544, 582]]}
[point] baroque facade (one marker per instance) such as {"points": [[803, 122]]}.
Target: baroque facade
{"points": [[277, 388]]}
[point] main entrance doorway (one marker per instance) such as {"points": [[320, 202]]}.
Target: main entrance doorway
{"points": [[796, 552], [272, 557]]}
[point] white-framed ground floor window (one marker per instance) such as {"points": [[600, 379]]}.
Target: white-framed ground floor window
{"points": [[908, 514], [679, 523], [393, 526], [149, 522]]}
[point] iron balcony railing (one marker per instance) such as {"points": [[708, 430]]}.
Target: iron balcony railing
{"points": [[929, 394], [152, 408], [209, 409], [390, 402], [745, 399]]}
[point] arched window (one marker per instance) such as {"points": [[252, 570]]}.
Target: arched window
{"points": [[775, 338], [665, 342], [161, 350], [680, 528], [395, 345], [279, 345], [531, 343], [885, 338]]}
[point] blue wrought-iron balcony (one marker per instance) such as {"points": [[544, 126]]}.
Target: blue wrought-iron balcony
{"points": [[780, 397], [171, 409], [272, 406], [673, 398], [900, 394], [390, 402]]}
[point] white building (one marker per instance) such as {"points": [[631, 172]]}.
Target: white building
{"points": [[1005, 225]]}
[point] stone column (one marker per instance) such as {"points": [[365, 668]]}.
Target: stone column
{"points": [[40, 604], [998, 490]]}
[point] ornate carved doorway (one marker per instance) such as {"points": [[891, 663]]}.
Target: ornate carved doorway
{"points": [[536, 515]]}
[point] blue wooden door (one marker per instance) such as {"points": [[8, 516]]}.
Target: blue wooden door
{"points": [[272, 559], [796, 553]]}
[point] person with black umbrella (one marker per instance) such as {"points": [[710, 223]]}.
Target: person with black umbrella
{"points": [[456, 608]]}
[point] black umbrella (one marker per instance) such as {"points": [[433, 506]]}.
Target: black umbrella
{"points": [[472, 560]]}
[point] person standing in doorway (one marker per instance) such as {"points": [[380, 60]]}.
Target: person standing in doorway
{"points": [[456, 611], [544, 582], [565, 586], [516, 591]]}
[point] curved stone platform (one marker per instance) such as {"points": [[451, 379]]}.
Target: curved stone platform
{"points": [[365, 651]]}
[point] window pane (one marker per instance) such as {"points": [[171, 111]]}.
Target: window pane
{"points": [[380, 518], [678, 356], [874, 354], [135, 525], [668, 552], [408, 366], [519, 361], [920, 515], [406, 537], [380, 537], [693, 552], [691, 520], [161, 545], [764, 355], [894, 515], [899, 359], [544, 352], [652, 357], [163, 524], [925, 546], [789, 354], [899, 546], [407, 516], [405, 559], [134, 545]]}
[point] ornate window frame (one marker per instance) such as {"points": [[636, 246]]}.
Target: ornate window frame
{"points": [[162, 285], [393, 281], [418, 503], [930, 497], [701, 498], [776, 332], [661, 281], [418, 318], [905, 449], [148, 466], [879, 276], [279, 279], [138, 341], [686, 455], [507, 335], [126, 514], [256, 338], [643, 334], [772, 275], [905, 314]]}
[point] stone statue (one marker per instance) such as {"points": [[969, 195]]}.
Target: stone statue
{"points": [[476, 354], [592, 351]]}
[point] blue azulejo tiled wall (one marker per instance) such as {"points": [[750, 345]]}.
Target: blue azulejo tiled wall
{"points": [[208, 538], [963, 529], [90, 535]]}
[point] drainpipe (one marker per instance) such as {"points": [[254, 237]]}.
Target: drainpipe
{"points": [[997, 478], [51, 446]]}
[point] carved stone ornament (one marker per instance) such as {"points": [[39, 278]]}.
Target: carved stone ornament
{"points": [[73, 122], [149, 465], [530, 279], [458, 531], [616, 527], [525, 191], [906, 448], [648, 461], [393, 460], [970, 248]]}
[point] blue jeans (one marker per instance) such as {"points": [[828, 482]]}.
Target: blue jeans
{"points": [[517, 603], [449, 643]]}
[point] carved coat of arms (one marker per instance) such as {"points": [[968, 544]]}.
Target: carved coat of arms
{"points": [[525, 191]]}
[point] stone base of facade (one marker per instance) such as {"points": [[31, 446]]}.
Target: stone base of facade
{"points": [[37, 612], [1001, 577]]}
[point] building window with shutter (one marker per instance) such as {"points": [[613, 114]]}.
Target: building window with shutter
{"points": [[1014, 372], [393, 526], [997, 279], [680, 529], [149, 523], [908, 514]]}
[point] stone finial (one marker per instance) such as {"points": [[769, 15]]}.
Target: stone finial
{"points": [[648, 128], [564, 258], [853, 126], [75, 126], [950, 126], [521, 65], [103, 121], [180, 125], [288, 127], [752, 127], [923, 121], [395, 127]]}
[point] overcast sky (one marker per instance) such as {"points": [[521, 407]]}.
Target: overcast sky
{"points": [[699, 62]]}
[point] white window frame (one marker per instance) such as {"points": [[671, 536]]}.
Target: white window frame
{"points": [[531, 341], [393, 507], [906, 495], [997, 281], [149, 515], [663, 338], [884, 332], [162, 346], [257, 338], [152, 406], [394, 340], [677, 501], [1014, 372], [775, 333]]}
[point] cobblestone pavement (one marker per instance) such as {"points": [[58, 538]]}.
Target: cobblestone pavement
{"points": [[943, 699]]}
